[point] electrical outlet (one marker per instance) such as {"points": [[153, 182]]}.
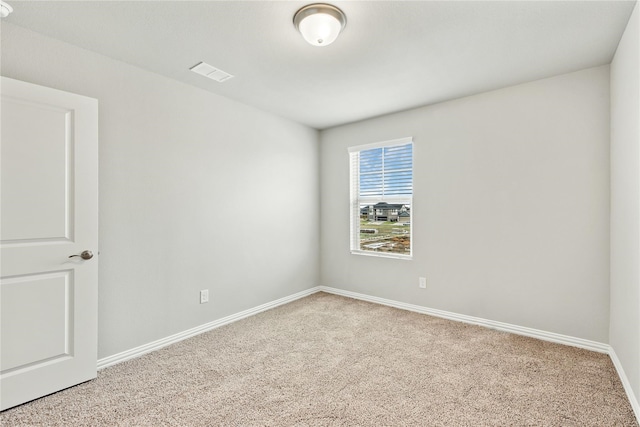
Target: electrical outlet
{"points": [[422, 282], [204, 296]]}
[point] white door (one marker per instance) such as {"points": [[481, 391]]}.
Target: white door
{"points": [[49, 212]]}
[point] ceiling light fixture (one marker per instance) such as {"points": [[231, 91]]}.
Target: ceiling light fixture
{"points": [[5, 9], [319, 23]]}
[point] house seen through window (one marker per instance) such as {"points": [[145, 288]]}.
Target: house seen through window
{"points": [[381, 198]]}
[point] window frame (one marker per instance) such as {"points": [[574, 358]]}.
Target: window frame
{"points": [[355, 200]]}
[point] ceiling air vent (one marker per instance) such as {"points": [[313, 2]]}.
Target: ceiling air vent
{"points": [[211, 72]]}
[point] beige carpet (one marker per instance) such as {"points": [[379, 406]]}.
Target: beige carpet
{"points": [[331, 361]]}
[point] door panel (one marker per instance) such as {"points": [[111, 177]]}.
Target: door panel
{"points": [[49, 204], [39, 307], [45, 187]]}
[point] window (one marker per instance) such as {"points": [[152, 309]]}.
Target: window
{"points": [[381, 198]]}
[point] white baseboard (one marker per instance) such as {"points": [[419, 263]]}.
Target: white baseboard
{"points": [[520, 330], [155, 345], [625, 383], [492, 324]]}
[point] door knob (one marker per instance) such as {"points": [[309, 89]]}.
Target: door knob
{"points": [[84, 255]]}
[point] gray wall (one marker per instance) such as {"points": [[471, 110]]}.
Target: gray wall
{"points": [[625, 202], [511, 206], [196, 192]]}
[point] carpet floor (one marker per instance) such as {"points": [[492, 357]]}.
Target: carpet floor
{"points": [[327, 360]]}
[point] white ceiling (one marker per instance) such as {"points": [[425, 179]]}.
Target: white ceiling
{"points": [[392, 55]]}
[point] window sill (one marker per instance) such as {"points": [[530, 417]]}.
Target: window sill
{"points": [[382, 255]]}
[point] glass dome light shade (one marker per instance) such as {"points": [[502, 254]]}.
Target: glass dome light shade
{"points": [[5, 9], [320, 29]]}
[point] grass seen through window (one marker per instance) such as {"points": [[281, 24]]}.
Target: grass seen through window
{"points": [[385, 236]]}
